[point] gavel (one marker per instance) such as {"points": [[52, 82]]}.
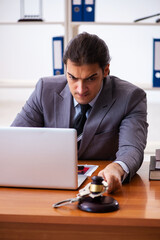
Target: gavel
{"points": [[100, 203]]}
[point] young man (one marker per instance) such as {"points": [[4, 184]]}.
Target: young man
{"points": [[115, 127]]}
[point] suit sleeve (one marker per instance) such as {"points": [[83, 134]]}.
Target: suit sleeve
{"points": [[31, 114], [133, 132]]}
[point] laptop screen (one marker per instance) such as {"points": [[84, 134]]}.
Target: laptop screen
{"points": [[38, 157]]}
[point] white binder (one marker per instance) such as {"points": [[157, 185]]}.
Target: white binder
{"points": [[156, 62], [57, 46]]}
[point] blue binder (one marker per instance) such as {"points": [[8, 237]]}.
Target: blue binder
{"points": [[77, 10], [57, 49], [89, 10], [156, 62]]}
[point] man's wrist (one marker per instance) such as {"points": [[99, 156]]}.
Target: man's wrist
{"points": [[125, 169]]}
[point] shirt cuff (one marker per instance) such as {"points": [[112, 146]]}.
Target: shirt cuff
{"points": [[124, 167]]}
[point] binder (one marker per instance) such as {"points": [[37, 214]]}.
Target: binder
{"points": [[77, 10], [156, 62], [57, 49], [88, 10], [30, 10]]}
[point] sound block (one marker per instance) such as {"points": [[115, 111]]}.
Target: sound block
{"points": [[100, 204]]}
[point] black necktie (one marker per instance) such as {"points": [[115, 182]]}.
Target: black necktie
{"points": [[81, 118]]}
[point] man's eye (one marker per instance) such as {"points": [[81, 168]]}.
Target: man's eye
{"points": [[91, 79], [72, 77]]}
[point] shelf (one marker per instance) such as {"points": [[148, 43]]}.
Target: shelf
{"points": [[116, 23], [81, 23], [17, 84], [31, 23], [31, 84], [76, 25], [151, 88]]}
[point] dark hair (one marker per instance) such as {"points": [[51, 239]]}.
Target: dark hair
{"points": [[87, 48]]}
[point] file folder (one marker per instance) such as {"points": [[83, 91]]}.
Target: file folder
{"points": [[77, 10], [156, 62], [88, 10], [57, 48]]}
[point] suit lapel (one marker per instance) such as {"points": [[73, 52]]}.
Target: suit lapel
{"points": [[63, 108], [98, 112]]}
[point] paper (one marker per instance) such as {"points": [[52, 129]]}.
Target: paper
{"points": [[89, 169]]}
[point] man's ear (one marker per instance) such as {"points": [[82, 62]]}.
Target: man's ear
{"points": [[106, 70]]}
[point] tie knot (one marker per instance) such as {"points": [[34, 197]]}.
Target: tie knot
{"points": [[84, 108]]}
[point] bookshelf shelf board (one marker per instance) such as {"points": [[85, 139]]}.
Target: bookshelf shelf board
{"points": [[116, 23], [31, 23], [30, 83]]}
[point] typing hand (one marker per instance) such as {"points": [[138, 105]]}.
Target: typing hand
{"points": [[113, 174]]}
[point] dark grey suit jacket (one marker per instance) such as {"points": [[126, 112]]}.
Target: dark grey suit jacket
{"points": [[115, 129]]}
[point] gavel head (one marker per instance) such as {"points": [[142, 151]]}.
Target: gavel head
{"points": [[96, 185]]}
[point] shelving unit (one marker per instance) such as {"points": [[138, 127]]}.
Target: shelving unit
{"points": [[71, 29]]}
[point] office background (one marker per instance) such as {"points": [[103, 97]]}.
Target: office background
{"points": [[26, 50]]}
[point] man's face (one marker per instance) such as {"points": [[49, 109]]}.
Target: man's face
{"points": [[85, 81]]}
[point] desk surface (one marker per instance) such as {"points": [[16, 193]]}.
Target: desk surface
{"points": [[139, 205]]}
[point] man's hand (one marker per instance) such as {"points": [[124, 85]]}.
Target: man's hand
{"points": [[113, 174]]}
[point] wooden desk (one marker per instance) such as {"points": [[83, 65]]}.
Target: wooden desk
{"points": [[28, 213]]}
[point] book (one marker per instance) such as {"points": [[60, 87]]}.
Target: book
{"points": [[157, 154], [154, 173], [157, 166]]}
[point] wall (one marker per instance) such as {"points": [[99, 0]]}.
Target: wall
{"points": [[26, 51]]}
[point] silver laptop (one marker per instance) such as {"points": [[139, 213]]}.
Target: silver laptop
{"points": [[39, 158]]}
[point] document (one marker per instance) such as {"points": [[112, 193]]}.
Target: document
{"points": [[86, 169]]}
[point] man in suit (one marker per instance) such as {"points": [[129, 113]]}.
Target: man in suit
{"points": [[115, 127]]}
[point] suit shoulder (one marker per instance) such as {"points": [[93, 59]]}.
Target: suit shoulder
{"points": [[124, 87], [54, 82]]}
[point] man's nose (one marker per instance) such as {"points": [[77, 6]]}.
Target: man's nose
{"points": [[81, 87]]}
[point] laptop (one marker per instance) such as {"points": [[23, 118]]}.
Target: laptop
{"points": [[39, 158]]}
